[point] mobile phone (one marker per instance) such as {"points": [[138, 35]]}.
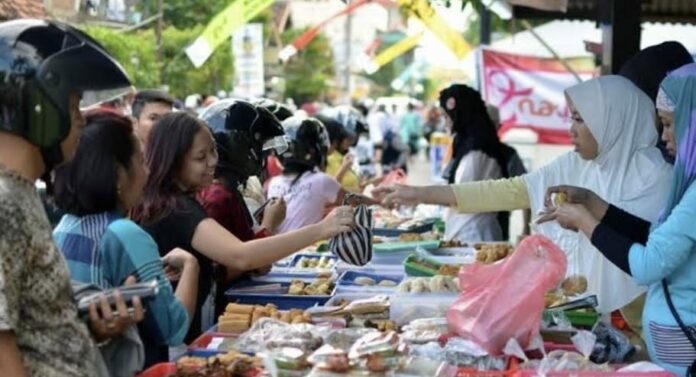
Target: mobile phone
{"points": [[145, 291]]}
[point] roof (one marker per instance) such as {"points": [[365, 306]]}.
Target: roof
{"points": [[679, 11], [11, 9], [556, 34]]}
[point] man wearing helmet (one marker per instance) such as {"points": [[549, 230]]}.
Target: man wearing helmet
{"points": [[45, 69], [244, 135]]}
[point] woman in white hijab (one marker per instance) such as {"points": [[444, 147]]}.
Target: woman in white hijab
{"points": [[614, 137]]}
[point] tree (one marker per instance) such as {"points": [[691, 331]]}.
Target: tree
{"points": [[136, 52], [308, 74], [185, 14], [179, 73]]}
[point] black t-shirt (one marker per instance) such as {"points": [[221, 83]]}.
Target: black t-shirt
{"points": [[176, 230]]}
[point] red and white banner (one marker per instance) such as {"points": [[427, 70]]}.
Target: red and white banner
{"points": [[528, 92]]}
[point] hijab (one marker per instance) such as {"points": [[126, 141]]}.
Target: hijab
{"points": [[472, 127], [628, 171], [679, 91], [649, 67]]}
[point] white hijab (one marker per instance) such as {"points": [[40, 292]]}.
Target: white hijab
{"points": [[628, 172]]}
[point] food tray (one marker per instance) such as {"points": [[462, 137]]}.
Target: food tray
{"points": [[406, 307], [169, 370], [414, 269], [396, 252], [200, 345], [577, 318], [280, 275], [575, 373], [346, 282], [374, 268], [279, 297], [427, 226], [350, 296], [297, 257]]}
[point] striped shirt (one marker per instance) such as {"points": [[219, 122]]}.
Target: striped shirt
{"points": [[105, 249]]}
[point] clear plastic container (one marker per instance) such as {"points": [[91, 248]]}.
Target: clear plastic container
{"points": [[406, 307]]}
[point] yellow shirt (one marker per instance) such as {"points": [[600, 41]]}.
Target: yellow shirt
{"points": [[350, 179]]}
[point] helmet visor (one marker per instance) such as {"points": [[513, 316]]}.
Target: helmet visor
{"points": [[277, 143]]}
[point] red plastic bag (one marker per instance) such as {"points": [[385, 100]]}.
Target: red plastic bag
{"points": [[506, 299]]}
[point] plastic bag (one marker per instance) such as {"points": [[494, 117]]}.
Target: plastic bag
{"points": [[506, 299], [612, 346], [355, 247]]}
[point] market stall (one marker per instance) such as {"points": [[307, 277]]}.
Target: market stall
{"points": [[414, 310]]}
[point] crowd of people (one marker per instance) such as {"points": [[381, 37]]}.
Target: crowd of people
{"points": [[196, 196]]}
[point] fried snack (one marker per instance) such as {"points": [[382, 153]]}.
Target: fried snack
{"points": [[554, 299], [239, 308], [574, 285], [449, 269], [233, 325], [559, 199], [451, 243], [491, 253], [410, 237]]}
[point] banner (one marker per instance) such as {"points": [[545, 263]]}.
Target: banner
{"points": [[392, 52], [303, 40], [247, 47], [528, 92], [221, 27], [426, 14]]}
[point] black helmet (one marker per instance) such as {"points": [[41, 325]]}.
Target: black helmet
{"points": [[308, 142], [243, 132], [41, 63], [281, 111], [351, 119]]}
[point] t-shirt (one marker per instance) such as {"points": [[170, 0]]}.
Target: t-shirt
{"points": [[36, 298], [104, 249], [177, 230], [474, 227], [350, 179], [306, 199]]}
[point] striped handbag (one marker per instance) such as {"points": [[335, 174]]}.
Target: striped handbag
{"points": [[355, 247]]}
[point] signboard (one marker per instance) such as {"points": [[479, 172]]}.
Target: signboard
{"points": [[247, 47], [528, 92]]}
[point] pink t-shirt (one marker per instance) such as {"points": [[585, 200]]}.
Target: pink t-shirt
{"points": [[306, 200]]}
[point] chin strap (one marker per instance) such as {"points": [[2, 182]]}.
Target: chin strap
{"points": [[52, 157]]}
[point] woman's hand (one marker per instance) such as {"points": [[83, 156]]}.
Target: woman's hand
{"points": [[395, 195], [340, 220], [573, 217], [347, 162], [274, 214], [104, 325], [577, 195], [175, 261]]}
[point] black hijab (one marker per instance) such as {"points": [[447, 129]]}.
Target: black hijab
{"points": [[648, 68], [472, 127]]}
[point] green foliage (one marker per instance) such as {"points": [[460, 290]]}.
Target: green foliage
{"points": [[180, 74], [185, 14], [308, 74], [138, 54]]}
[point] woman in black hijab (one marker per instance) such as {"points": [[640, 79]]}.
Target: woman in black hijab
{"points": [[478, 154], [648, 68]]}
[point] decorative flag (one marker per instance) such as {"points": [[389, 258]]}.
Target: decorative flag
{"points": [[392, 52], [221, 27], [422, 10]]}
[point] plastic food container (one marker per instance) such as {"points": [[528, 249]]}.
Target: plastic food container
{"points": [[397, 252], [278, 296], [373, 268], [427, 226], [346, 282], [405, 307]]}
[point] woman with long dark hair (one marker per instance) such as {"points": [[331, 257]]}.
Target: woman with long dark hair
{"points": [[103, 247], [182, 158]]}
